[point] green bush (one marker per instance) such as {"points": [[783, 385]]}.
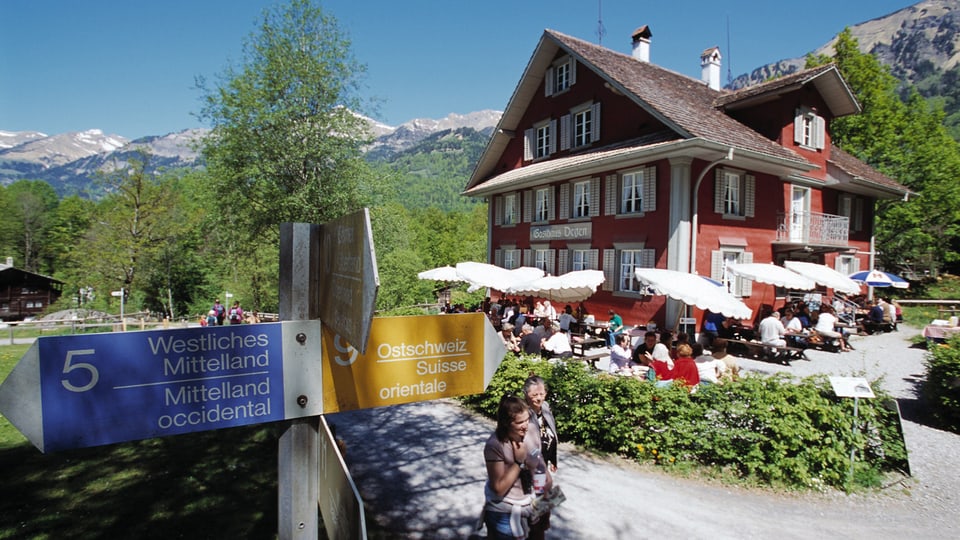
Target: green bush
{"points": [[773, 430], [942, 385]]}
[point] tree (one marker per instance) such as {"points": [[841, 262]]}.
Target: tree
{"points": [[132, 227], [908, 142], [32, 204], [285, 144]]}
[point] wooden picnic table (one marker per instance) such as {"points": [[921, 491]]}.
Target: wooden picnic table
{"points": [[756, 349]]}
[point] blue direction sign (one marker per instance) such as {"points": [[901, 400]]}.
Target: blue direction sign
{"points": [[80, 391]]}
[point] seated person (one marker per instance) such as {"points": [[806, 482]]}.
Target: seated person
{"points": [[621, 357], [795, 336], [711, 327], [684, 369], [874, 319], [510, 341], [731, 368], [529, 342], [772, 330], [556, 344], [825, 327], [709, 368], [651, 346]]}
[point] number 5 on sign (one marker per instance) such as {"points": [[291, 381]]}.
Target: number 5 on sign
{"points": [[69, 366]]}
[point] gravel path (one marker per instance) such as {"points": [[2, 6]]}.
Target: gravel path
{"points": [[420, 471]]}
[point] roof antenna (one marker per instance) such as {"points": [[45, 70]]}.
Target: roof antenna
{"points": [[729, 56], [600, 30]]}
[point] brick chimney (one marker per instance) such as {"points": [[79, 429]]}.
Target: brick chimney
{"points": [[9, 261], [710, 67], [641, 43]]}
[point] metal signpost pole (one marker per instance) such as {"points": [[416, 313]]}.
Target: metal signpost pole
{"points": [[298, 488]]}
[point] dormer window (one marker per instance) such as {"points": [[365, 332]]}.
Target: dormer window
{"points": [[584, 123], [809, 129], [560, 76]]}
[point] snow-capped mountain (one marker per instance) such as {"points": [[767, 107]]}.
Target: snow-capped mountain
{"points": [[61, 149], [70, 161]]}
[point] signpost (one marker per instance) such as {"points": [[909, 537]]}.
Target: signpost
{"points": [[348, 277], [89, 390], [411, 359]]}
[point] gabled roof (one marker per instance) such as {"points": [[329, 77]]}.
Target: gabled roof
{"points": [[7, 271], [826, 79], [844, 168], [684, 105]]}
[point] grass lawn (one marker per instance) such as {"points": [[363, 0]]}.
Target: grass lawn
{"points": [[217, 484]]}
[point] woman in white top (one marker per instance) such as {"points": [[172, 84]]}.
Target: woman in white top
{"points": [[825, 327]]}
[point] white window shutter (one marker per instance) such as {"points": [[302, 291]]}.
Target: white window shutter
{"points": [[648, 258], [609, 269], [798, 127], [564, 201], [595, 133], [563, 261], [565, 132], [516, 206], [649, 203], [553, 136], [592, 259], [528, 206], [819, 132], [552, 262], [750, 196], [718, 191], [551, 203], [716, 265], [528, 144], [611, 196], [498, 210], [594, 197], [573, 72], [746, 285], [528, 258], [548, 82], [498, 257]]}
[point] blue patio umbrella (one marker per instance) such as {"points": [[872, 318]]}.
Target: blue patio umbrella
{"points": [[876, 278]]}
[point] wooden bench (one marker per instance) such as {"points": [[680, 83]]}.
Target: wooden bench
{"points": [[758, 350]]}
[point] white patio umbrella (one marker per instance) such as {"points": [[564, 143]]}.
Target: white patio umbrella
{"points": [[483, 275], [570, 287], [442, 273], [772, 274], [824, 275], [693, 290]]}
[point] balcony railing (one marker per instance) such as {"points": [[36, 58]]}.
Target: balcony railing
{"points": [[813, 228]]}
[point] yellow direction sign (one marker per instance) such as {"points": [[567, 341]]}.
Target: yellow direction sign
{"points": [[410, 359]]}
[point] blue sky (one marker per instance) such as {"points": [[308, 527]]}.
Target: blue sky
{"points": [[128, 66]]}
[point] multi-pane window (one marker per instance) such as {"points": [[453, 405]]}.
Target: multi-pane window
{"points": [[583, 127], [510, 257], [631, 197], [731, 194], [510, 209], [580, 260], [630, 260], [809, 129], [561, 79], [543, 141], [581, 199], [541, 259], [542, 207], [735, 193]]}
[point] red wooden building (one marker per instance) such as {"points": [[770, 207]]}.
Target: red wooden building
{"points": [[605, 161]]}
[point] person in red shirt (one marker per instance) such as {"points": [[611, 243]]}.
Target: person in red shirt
{"points": [[684, 368]]}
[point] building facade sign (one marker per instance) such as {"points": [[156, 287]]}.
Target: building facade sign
{"points": [[569, 231]]}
